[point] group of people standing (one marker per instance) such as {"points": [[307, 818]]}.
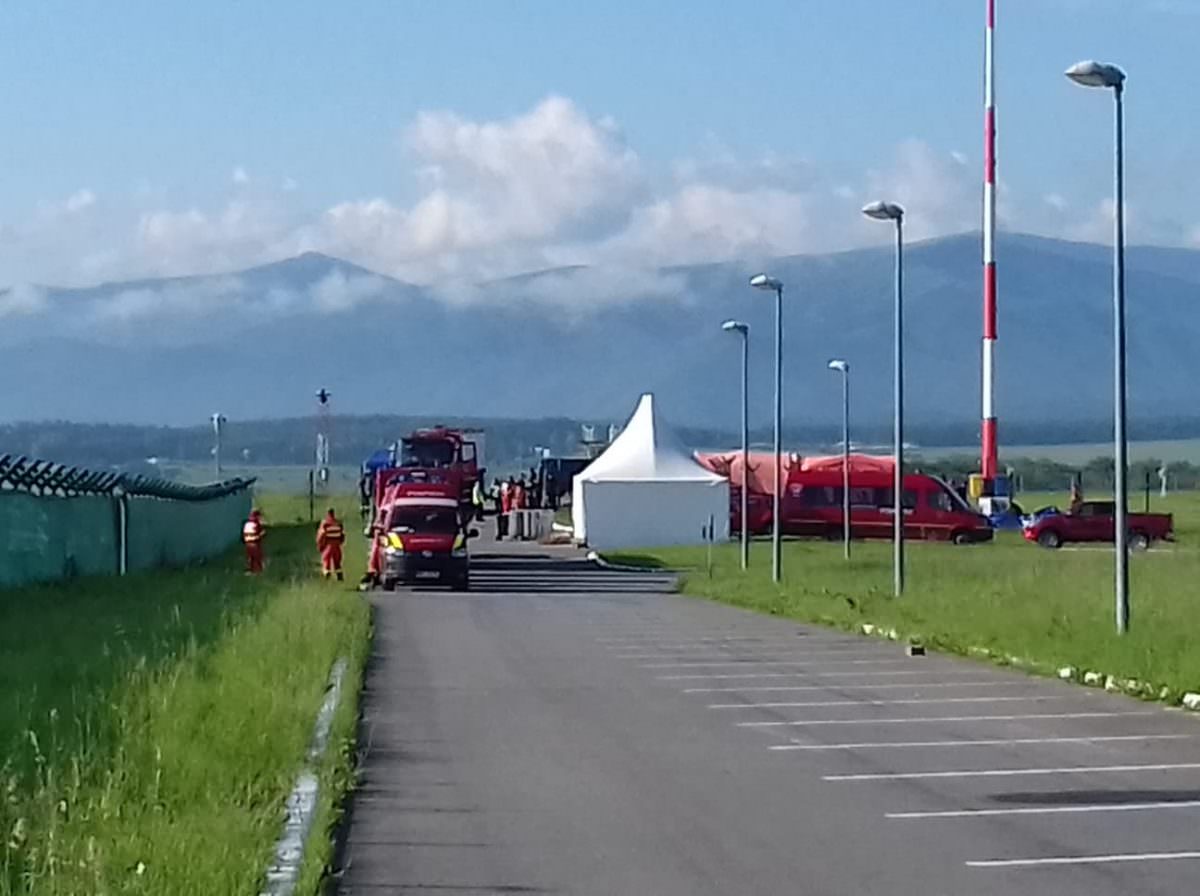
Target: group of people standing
{"points": [[517, 493], [331, 535]]}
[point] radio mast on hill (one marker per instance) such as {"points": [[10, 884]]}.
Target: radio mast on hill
{"points": [[988, 432]]}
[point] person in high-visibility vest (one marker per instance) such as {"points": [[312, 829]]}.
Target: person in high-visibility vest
{"points": [[477, 497], [331, 535], [253, 533]]}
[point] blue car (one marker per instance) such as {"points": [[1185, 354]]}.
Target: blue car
{"points": [[1015, 519]]}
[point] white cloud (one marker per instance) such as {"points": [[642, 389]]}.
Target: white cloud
{"points": [[548, 188], [22, 300], [337, 292], [80, 200]]}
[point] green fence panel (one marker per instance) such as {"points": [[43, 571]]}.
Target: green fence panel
{"points": [[46, 538], [176, 533]]}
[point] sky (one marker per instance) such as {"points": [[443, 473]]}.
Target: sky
{"points": [[457, 141]]}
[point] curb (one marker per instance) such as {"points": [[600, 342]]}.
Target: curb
{"points": [[284, 871], [1131, 687], [595, 557]]}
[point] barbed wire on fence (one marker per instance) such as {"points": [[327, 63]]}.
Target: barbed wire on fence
{"points": [[46, 478]]}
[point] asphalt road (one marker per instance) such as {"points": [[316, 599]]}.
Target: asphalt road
{"points": [[562, 729]]}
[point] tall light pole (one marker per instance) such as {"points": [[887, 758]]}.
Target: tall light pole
{"points": [[762, 281], [1098, 74], [889, 211], [737, 326], [218, 422], [844, 367]]}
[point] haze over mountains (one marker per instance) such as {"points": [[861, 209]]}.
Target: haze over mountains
{"points": [[584, 342]]}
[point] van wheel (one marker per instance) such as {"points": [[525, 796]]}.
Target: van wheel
{"points": [[960, 538], [389, 584], [1139, 541], [1050, 539], [461, 584]]}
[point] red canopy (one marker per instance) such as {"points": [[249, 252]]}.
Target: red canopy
{"points": [[762, 469], [859, 463]]}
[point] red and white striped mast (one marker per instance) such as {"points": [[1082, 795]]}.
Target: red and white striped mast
{"points": [[988, 459]]}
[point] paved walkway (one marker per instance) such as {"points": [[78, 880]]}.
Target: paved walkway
{"points": [[562, 729]]}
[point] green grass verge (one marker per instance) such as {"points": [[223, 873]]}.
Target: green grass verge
{"points": [[153, 726], [1010, 597]]}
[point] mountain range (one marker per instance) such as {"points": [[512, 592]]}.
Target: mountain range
{"points": [[584, 343]]}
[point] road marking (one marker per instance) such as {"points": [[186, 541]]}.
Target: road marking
{"points": [[1014, 773], [669, 640], [871, 687], [758, 662], [998, 742], [733, 675], [1086, 860], [884, 702], [1017, 772], [1048, 810], [742, 653], [921, 721]]}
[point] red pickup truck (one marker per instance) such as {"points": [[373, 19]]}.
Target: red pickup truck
{"points": [[1095, 521]]}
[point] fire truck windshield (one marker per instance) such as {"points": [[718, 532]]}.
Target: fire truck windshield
{"points": [[424, 520], [426, 454]]}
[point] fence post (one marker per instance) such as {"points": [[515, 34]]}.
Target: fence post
{"points": [[122, 530]]}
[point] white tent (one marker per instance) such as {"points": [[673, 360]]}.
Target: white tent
{"points": [[646, 490]]}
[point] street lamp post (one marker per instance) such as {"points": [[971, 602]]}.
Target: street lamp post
{"points": [[737, 326], [844, 367], [762, 281], [1098, 74], [889, 211]]}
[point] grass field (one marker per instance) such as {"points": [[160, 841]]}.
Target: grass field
{"points": [[1055, 608], [152, 726]]}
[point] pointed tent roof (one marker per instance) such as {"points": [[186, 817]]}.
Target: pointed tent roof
{"points": [[647, 450]]}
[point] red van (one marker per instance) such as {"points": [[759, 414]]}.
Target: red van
{"points": [[812, 505]]}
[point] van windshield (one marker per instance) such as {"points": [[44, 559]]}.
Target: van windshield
{"points": [[425, 453], [424, 520]]}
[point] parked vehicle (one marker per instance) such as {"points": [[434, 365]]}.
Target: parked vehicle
{"points": [[1095, 521], [760, 513], [423, 537], [933, 511]]}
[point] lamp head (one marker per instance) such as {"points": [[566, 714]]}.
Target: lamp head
{"points": [[762, 281], [736, 326], [1090, 73], [839, 365], [883, 211]]}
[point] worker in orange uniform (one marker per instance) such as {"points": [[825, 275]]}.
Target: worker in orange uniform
{"points": [[331, 535], [253, 533]]}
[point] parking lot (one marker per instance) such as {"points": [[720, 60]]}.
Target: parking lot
{"points": [[610, 737]]}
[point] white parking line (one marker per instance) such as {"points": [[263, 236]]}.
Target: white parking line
{"points": [[908, 702], [997, 742], [800, 674], [1048, 810], [1018, 772], [758, 662], [668, 639], [1086, 860], [800, 723], [868, 687]]}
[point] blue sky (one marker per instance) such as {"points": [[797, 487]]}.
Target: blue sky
{"points": [[478, 139]]}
